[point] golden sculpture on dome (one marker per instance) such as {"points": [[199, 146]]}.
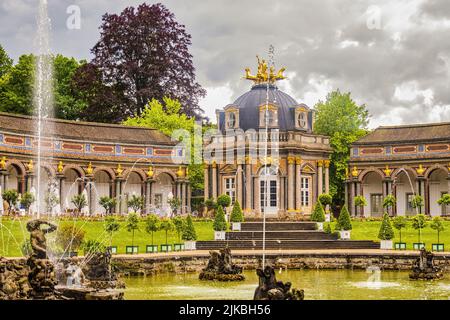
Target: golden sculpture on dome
{"points": [[264, 73]]}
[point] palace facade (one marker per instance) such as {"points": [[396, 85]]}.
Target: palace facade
{"points": [[97, 159], [403, 161], [265, 140]]}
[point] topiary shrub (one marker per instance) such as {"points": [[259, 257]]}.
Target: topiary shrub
{"points": [[318, 214], [325, 199], [386, 232], [344, 222], [69, 237], [189, 233], [327, 228], [179, 224], [236, 213], [220, 224], [224, 201]]}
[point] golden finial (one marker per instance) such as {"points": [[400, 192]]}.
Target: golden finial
{"points": [[387, 171], [264, 73], [180, 172], [150, 172], [355, 172], [3, 163], [89, 169], [30, 165], [420, 170], [119, 170], [60, 167]]}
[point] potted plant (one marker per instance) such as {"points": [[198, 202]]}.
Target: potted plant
{"points": [[26, 201], [69, 238], [132, 225], [360, 202], [152, 225], [236, 217], [386, 233], [178, 222], [111, 226], [318, 215], [389, 202], [326, 200], [189, 235], [220, 225], [417, 202], [11, 197], [438, 226], [167, 226], [419, 222], [344, 224], [136, 203], [400, 223], [107, 203]]}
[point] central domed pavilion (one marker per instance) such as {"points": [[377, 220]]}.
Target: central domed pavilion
{"points": [[295, 167]]}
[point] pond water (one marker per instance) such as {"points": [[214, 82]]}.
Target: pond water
{"points": [[318, 285]]}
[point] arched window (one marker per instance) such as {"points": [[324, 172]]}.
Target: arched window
{"points": [[302, 120], [231, 123]]}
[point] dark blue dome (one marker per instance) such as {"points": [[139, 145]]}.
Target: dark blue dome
{"points": [[249, 103]]}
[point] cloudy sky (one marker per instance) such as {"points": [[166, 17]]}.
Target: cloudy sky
{"points": [[393, 56]]}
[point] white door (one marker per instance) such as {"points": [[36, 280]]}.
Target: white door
{"points": [[269, 201]]}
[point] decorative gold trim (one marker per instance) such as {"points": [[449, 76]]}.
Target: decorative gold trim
{"points": [[89, 169], [60, 167], [298, 160], [320, 163], [269, 106], [180, 172], [291, 160], [30, 166], [326, 163], [150, 173], [420, 170], [119, 170], [387, 171]]}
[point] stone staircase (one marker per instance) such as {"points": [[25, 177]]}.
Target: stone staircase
{"points": [[283, 235]]}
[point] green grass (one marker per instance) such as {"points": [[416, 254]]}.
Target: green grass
{"points": [[14, 234], [94, 231]]}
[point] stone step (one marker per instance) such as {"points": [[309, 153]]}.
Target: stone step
{"points": [[281, 235], [277, 226], [288, 244]]}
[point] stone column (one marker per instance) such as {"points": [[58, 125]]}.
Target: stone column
{"points": [[2, 180], [214, 180], [291, 183], [206, 180], [359, 211], [248, 184], [183, 198], [148, 195], [60, 178], [239, 185], [188, 196], [298, 173], [352, 197], [320, 177], [346, 194], [118, 196], [327, 176], [90, 196]]}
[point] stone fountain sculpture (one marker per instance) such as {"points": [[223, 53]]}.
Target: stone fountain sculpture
{"points": [[42, 277], [424, 267], [99, 272], [220, 267], [271, 289], [13, 280]]}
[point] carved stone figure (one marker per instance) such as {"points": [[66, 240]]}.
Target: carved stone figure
{"points": [[271, 289], [13, 280], [37, 237], [424, 268], [220, 267]]}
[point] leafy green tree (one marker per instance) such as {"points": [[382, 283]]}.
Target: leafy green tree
{"points": [[419, 222], [111, 226], [345, 122], [386, 232], [344, 223], [325, 199], [167, 226], [70, 237], [360, 202], [5, 62], [220, 223], [224, 201], [136, 203], [179, 223], [10, 196], [107, 203], [389, 201], [236, 213], [211, 204], [132, 225], [27, 200], [79, 201], [152, 224], [417, 202], [189, 233], [444, 200], [400, 222], [318, 214], [438, 226]]}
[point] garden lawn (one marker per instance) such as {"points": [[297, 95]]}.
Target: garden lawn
{"points": [[15, 233]]}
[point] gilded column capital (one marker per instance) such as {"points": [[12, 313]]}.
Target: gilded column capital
{"points": [[298, 160], [248, 160], [320, 163], [291, 160], [214, 164], [326, 163]]}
